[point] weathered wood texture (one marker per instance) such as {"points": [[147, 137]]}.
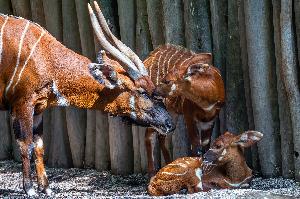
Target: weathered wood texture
{"points": [[262, 73], [258, 61], [289, 75]]}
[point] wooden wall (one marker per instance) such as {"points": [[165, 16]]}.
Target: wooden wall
{"points": [[255, 44]]}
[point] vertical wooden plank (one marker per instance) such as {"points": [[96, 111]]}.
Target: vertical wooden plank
{"points": [[76, 119], [121, 148], [5, 129], [219, 13], [37, 12], [5, 7], [155, 20], [88, 50], [56, 143], [102, 153], [127, 20], [287, 145], [289, 75], [21, 8], [244, 59], [5, 134], [60, 152], [235, 112], [262, 73], [197, 25], [180, 142], [173, 22]]}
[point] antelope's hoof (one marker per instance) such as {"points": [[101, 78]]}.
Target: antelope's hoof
{"points": [[31, 192], [48, 192]]}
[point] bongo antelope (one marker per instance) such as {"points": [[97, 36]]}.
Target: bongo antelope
{"points": [[223, 167], [192, 87], [37, 72]]}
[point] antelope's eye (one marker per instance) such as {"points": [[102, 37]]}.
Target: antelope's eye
{"points": [[218, 146]]}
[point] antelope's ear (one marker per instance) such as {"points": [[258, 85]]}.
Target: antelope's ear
{"points": [[105, 75], [248, 138], [195, 69]]}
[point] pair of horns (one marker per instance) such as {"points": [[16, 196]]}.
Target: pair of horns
{"points": [[132, 63]]}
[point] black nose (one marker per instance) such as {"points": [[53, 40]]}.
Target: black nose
{"points": [[170, 126], [209, 156]]}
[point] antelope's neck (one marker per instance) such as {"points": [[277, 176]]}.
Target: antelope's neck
{"points": [[237, 170]]}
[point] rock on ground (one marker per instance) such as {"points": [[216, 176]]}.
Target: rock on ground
{"points": [[87, 183]]}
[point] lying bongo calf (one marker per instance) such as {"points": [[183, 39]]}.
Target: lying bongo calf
{"points": [[224, 166]]}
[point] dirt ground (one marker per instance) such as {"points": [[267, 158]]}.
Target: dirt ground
{"points": [[87, 183]]}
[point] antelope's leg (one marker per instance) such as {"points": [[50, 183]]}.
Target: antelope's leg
{"points": [[193, 134], [22, 118], [149, 134], [39, 153], [164, 149]]}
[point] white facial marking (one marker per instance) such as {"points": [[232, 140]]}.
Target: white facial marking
{"points": [[199, 174], [28, 58], [173, 89], [244, 137], [132, 107], [210, 107], [1, 37], [205, 142], [61, 100], [18, 58], [176, 174], [222, 155]]}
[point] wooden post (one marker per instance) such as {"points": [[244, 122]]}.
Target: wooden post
{"points": [[155, 20], [197, 25], [5, 133], [37, 11], [244, 61], [289, 76], [21, 8], [262, 77], [219, 13]]}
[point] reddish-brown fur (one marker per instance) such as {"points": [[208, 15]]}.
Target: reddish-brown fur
{"points": [[192, 87], [56, 76], [221, 170]]}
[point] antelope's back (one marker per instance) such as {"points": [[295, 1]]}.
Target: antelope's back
{"points": [[164, 59]]}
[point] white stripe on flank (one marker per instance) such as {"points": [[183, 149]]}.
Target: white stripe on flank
{"points": [[178, 164], [158, 66], [1, 37], [178, 59], [170, 60], [165, 59], [176, 174], [18, 58], [28, 58], [185, 61]]}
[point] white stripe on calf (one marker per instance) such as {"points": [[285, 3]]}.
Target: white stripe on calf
{"points": [[18, 58], [28, 58], [1, 37], [176, 174], [132, 107]]}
